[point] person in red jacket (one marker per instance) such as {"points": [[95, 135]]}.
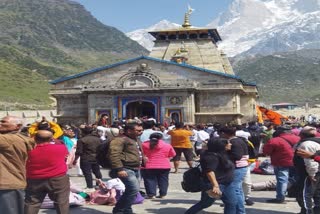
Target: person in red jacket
{"points": [[280, 150], [47, 174]]}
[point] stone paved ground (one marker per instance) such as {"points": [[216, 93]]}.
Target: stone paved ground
{"points": [[177, 201]]}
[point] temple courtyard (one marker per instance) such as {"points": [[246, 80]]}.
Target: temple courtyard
{"points": [[178, 201]]}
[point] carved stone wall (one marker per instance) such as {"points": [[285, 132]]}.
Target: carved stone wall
{"points": [[222, 119], [182, 89], [72, 109], [181, 101], [248, 106], [215, 102], [99, 102]]}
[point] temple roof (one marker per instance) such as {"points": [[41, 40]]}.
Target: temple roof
{"points": [[192, 30], [62, 79], [191, 45]]}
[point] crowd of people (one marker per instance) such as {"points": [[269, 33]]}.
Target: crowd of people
{"points": [[35, 159]]}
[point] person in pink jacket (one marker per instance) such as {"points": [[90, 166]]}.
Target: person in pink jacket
{"points": [[157, 166]]}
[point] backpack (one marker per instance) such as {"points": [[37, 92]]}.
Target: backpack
{"points": [[252, 152], [192, 179], [102, 155], [255, 137]]}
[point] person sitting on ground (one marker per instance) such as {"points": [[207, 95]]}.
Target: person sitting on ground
{"points": [[157, 167], [47, 174]]}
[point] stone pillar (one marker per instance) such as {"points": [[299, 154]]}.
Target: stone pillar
{"points": [[187, 109], [238, 105], [192, 107]]}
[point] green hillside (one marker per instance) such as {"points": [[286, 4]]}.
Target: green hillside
{"points": [[41, 40], [285, 77], [20, 86]]}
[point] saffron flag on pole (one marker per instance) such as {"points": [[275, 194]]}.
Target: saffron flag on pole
{"points": [[267, 114]]}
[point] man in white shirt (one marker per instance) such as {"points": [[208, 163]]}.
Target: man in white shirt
{"points": [[202, 138], [241, 133], [247, 182], [148, 127], [166, 138]]}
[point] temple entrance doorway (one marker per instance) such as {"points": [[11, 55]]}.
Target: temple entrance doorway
{"points": [[140, 109]]}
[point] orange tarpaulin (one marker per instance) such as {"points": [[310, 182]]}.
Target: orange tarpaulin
{"points": [[267, 114]]}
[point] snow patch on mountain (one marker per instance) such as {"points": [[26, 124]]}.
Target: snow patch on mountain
{"points": [[145, 39], [268, 26], [300, 33], [258, 27]]}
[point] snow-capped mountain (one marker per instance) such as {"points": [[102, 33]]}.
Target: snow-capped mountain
{"points": [[259, 26], [144, 38], [300, 33], [267, 26]]}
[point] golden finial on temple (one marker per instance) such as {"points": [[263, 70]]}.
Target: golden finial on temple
{"points": [[186, 23]]}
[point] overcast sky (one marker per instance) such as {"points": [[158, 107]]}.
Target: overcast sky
{"points": [[129, 15]]}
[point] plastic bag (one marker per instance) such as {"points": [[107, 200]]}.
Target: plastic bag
{"points": [[266, 167]]}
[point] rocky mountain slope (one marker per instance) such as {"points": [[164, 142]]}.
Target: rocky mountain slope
{"points": [[284, 77], [52, 38]]}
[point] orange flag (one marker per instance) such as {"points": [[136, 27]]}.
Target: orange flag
{"points": [[270, 115]]}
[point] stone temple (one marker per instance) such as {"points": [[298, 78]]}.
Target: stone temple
{"points": [[185, 78]]}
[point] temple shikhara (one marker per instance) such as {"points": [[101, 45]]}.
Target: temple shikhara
{"points": [[185, 78]]}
